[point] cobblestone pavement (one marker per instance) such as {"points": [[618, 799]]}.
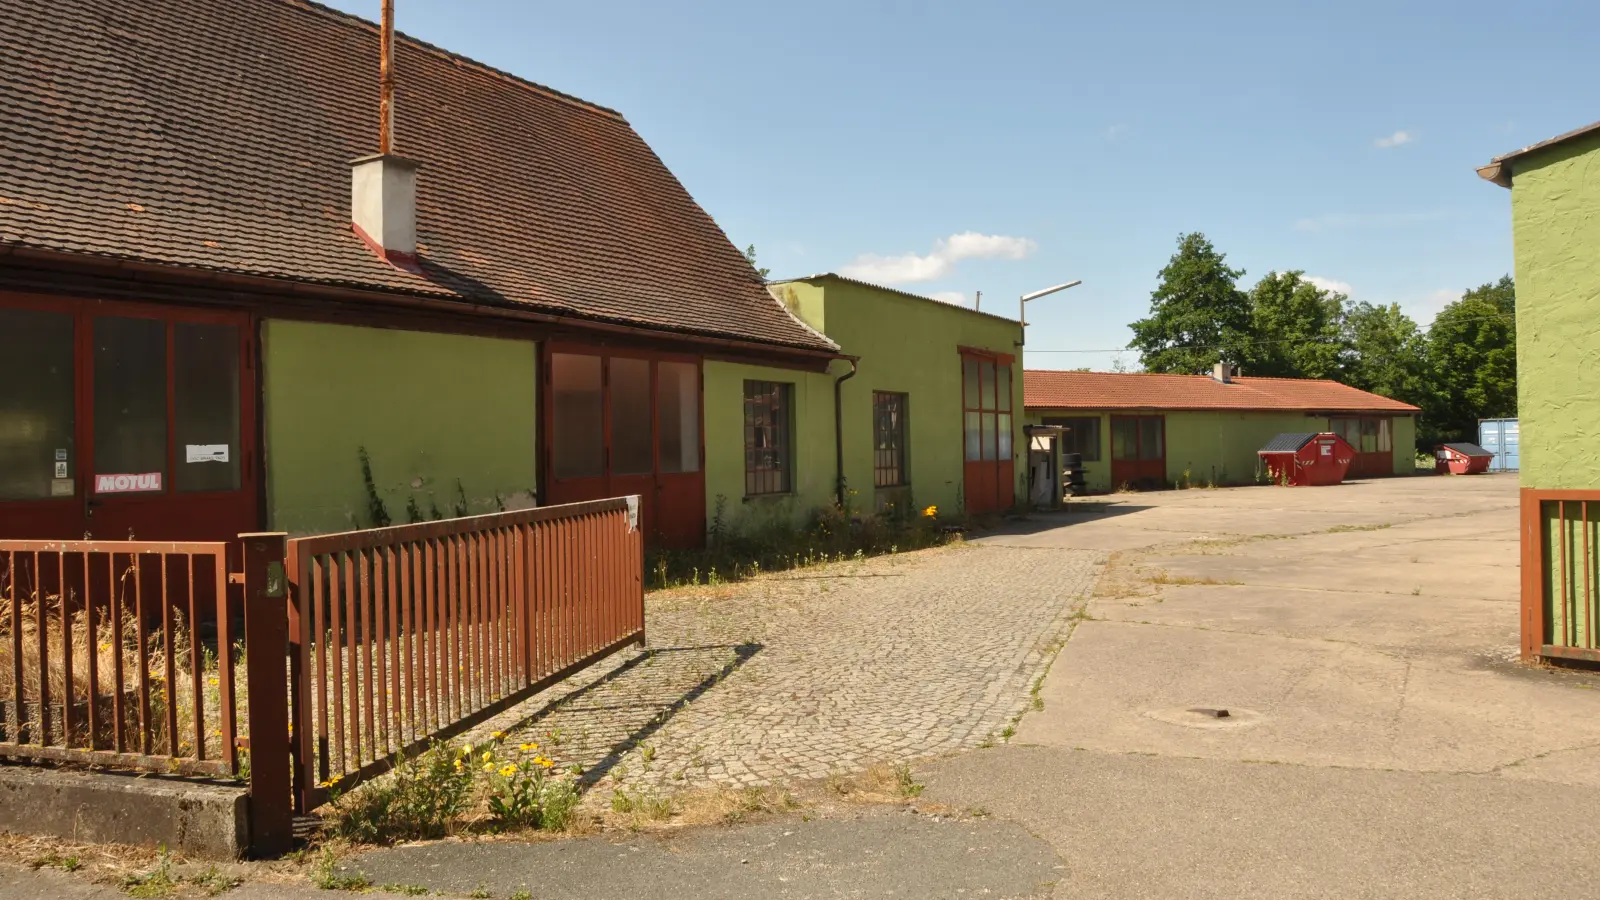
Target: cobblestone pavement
{"points": [[824, 670]]}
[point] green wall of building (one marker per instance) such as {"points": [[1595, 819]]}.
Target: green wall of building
{"points": [[1555, 218], [905, 344], [430, 409], [1220, 447]]}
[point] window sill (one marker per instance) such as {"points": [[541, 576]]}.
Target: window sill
{"points": [[749, 498]]}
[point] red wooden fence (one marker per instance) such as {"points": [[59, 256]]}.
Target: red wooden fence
{"points": [[355, 647], [1561, 574]]}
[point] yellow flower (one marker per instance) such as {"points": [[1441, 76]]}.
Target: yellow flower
{"points": [[547, 763], [487, 755], [508, 771], [458, 765], [105, 646], [489, 767], [526, 747], [212, 680], [930, 512]]}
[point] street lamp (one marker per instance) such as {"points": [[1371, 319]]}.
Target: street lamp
{"points": [[1022, 304]]}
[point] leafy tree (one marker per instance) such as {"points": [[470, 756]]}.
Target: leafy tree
{"points": [[1198, 315], [1388, 354], [1472, 352], [750, 254], [1298, 329]]}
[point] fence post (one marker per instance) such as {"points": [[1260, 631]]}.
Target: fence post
{"points": [[266, 643]]}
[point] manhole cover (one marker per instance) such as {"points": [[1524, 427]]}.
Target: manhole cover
{"points": [[1214, 717]]}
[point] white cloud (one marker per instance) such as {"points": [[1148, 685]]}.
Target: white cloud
{"points": [[913, 267], [954, 298], [1330, 284], [1334, 221], [1394, 140]]}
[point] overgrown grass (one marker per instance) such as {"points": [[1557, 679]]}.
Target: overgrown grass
{"points": [[769, 543]]}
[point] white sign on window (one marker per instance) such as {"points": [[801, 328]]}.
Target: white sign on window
{"points": [[201, 453], [124, 484]]}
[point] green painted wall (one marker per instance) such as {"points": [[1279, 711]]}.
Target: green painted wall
{"points": [[812, 475], [905, 345], [429, 409], [1555, 220], [1220, 447]]}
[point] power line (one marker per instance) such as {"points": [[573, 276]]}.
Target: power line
{"points": [[1304, 341]]}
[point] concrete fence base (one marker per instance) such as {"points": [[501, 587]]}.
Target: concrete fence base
{"points": [[196, 820]]}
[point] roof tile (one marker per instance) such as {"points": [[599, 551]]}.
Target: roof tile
{"points": [[1114, 390], [235, 123]]}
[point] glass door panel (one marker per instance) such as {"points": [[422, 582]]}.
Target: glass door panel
{"points": [[678, 416], [205, 369], [130, 405], [578, 426], [38, 453], [632, 450]]}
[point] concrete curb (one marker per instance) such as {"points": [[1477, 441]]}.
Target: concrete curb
{"points": [[193, 819]]}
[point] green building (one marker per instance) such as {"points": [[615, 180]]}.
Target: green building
{"points": [[227, 314], [1146, 430], [923, 411], [1555, 224]]}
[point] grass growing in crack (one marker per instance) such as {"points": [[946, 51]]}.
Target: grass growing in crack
{"points": [[1342, 529], [523, 894], [408, 890], [56, 861], [158, 882], [327, 876], [213, 882], [907, 785], [1165, 577], [480, 892]]}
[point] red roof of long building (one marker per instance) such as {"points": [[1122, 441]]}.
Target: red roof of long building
{"points": [[218, 136], [1113, 390]]}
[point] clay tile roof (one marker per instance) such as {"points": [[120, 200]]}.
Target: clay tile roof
{"points": [[1111, 390], [218, 135]]}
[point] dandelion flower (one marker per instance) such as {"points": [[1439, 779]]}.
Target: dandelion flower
{"points": [[527, 747], [498, 735], [212, 680]]}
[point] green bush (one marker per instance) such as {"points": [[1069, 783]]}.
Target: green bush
{"points": [[422, 798]]}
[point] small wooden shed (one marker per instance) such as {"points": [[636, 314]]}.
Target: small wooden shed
{"points": [[1461, 458], [1307, 458]]}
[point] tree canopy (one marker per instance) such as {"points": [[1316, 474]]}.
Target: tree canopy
{"points": [[1461, 369], [1198, 315]]}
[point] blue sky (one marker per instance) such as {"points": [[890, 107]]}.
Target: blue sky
{"points": [[956, 147]]}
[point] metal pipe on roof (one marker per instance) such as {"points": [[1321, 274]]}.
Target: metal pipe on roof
{"points": [[386, 79]]}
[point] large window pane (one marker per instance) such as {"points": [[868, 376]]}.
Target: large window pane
{"points": [[631, 451], [1003, 432], [986, 389], [1369, 435], [1152, 438], [974, 435], [889, 439], [678, 416], [1079, 434], [1385, 436], [988, 436], [767, 447], [1124, 438], [205, 367], [577, 436], [36, 405], [969, 382], [1003, 388], [130, 405]]}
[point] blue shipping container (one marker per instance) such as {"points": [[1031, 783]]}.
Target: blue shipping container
{"points": [[1499, 436]]}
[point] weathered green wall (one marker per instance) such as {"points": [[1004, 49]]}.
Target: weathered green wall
{"points": [[910, 345], [1555, 220], [812, 476], [429, 409], [906, 345], [1220, 447]]}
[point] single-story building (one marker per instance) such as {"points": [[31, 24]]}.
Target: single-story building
{"points": [[1556, 236], [230, 301], [1149, 430], [927, 406]]}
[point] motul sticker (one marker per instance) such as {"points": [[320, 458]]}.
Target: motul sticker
{"points": [[123, 484]]}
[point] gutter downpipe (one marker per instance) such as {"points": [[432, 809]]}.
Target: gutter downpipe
{"points": [[838, 432]]}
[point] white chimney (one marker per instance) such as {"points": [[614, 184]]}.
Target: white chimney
{"points": [[383, 206], [1222, 373]]}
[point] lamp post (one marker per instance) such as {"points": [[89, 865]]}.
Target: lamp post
{"points": [[1022, 306]]}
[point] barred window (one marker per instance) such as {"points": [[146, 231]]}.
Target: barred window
{"points": [[889, 439], [768, 438]]}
